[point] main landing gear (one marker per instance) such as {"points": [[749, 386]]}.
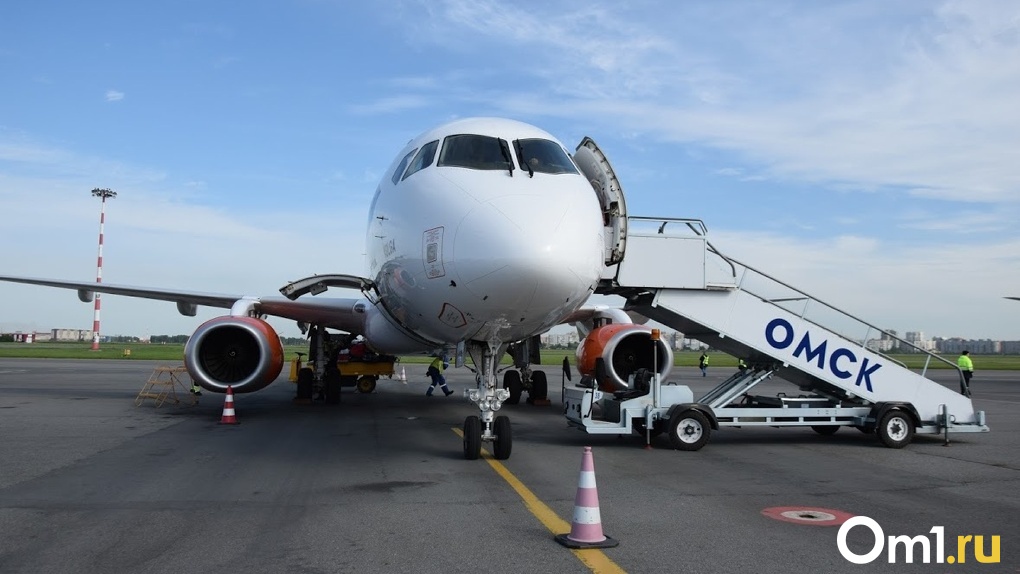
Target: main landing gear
{"points": [[535, 382], [487, 427]]}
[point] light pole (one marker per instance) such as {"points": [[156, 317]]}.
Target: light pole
{"points": [[103, 194]]}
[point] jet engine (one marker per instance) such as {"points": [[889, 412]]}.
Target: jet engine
{"points": [[242, 352], [611, 354]]}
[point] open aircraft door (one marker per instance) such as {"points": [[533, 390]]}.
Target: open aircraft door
{"points": [[596, 168]]}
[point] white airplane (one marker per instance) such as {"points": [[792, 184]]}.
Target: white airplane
{"points": [[483, 234]]}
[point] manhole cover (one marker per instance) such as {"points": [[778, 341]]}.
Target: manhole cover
{"points": [[808, 515]]}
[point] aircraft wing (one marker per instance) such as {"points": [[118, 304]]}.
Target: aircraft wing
{"points": [[343, 314]]}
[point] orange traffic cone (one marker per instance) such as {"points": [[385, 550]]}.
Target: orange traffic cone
{"points": [[586, 527], [228, 417]]}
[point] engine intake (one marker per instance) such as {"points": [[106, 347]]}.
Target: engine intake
{"points": [[241, 352], [623, 350]]}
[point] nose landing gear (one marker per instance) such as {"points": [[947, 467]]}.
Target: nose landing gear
{"points": [[487, 427]]}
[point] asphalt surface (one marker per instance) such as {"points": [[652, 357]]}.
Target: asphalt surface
{"points": [[91, 483]]}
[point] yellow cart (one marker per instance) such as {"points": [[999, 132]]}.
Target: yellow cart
{"points": [[365, 374]]}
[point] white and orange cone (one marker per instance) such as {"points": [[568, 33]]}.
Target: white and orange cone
{"points": [[228, 417], [403, 375], [586, 527]]}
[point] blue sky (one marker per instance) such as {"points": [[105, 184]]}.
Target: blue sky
{"points": [[865, 152]]}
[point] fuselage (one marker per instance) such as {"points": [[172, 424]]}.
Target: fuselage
{"points": [[483, 229]]}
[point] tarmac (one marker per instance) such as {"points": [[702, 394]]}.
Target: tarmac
{"points": [[92, 483]]}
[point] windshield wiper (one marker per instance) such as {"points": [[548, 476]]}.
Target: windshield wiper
{"points": [[504, 148], [520, 158]]}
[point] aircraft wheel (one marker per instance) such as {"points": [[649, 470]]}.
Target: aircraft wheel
{"points": [[512, 383], [896, 429], [504, 438], [305, 384], [472, 438], [825, 430], [539, 386], [689, 430], [366, 384], [332, 383]]}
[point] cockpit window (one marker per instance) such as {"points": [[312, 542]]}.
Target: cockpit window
{"points": [[474, 152], [401, 166], [423, 159], [543, 156]]}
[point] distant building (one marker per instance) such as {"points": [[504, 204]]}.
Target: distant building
{"points": [[1011, 347], [58, 335], [71, 335], [31, 337], [568, 339], [883, 345], [977, 346]]}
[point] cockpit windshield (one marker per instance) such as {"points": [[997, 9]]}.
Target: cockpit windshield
{"points": [[542, 156], [474, 152]]}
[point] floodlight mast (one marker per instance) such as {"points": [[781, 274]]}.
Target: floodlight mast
{"points": [[103, 194]]}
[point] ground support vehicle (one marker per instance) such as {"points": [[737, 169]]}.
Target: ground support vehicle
{"points": [[836, 361], [365, 374], [671, 408]]}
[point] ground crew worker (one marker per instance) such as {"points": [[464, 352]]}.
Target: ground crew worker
{"points": [[703, 363], [741, 366], [967, 366], [195, 389], [436, 372]]}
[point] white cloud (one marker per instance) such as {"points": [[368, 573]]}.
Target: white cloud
{"points": [[114, 96], [157, 234], [842, 93]]}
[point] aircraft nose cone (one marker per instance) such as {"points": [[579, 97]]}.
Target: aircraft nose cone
{"points": [[530, 255]]}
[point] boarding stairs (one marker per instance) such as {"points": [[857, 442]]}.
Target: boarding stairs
{"points": [[671, 274]]}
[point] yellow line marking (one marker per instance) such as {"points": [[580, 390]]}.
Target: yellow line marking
{"points": [[593, 558]]}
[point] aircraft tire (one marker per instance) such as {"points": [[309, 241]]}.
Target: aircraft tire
{"points": [[305, 384], [539, 386], [512, 383], [472, 438], [503, 444], [332, 383]]}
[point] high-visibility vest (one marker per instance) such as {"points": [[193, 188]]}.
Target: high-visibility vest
{"points": [[965, 363]]}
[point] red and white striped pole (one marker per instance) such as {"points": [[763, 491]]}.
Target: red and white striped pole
{"points": [[102, 194]]}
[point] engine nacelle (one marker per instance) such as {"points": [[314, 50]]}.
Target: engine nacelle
{"points": [[623, 349], [241, 352]]}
